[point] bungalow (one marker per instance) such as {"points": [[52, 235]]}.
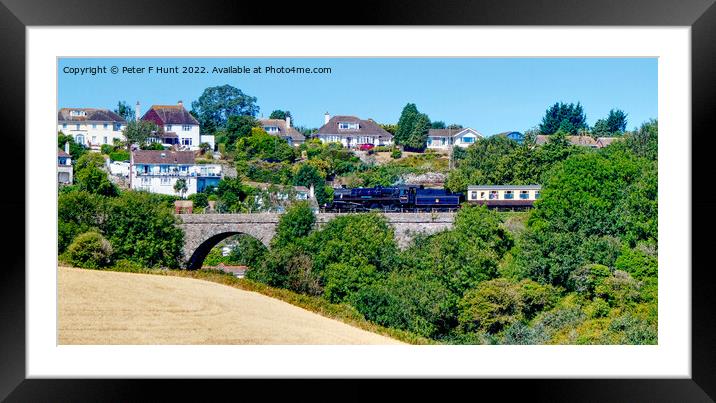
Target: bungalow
{"points": [[351, 131], [178, 127], [158, 171], [283, 129], [64, 166], [503, 195], [446, 138], [91, 127]]}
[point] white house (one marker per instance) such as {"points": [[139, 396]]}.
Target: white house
{"points": [[64, 166], [353, 132], [282, 128], [446, 138], [91, 127], [158, 171], [178, 126]]}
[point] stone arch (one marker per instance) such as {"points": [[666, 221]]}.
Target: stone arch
{"points": [[196, 259]]}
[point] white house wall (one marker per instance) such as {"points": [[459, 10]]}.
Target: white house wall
{"points": [[92, 134]]}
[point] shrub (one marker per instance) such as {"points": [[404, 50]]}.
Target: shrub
{"points": [[119, 156], [90, 250], [396, 153]]}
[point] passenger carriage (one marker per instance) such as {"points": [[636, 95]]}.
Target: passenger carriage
{"points": [[515, 197]]}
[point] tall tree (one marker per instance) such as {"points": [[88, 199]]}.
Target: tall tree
{"points": [[216, 104], [279, 114], [418, 137], [138, 131], [406, 123], [614, 125], [569, 118], [125, 111]]}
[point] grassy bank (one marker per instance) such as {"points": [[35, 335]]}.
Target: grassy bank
{"points": [[340, 312]]}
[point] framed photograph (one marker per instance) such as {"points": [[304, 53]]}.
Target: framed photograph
{"points": [[472, 190]]}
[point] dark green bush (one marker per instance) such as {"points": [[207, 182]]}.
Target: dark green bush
{"points": [[90, 250]]}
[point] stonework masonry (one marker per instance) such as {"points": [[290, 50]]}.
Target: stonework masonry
{"points": [[203, 231]]}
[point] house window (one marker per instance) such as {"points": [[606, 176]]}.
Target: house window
{"points": [[80, 139], [271, 129], [105, 139], [166, 181], [168, 128], [106, 126], [493, 194], [146, 180], [94, 139], [524, 194], [347, 125], [163, 168], [473, 195], [186, 141], [64, 125], [186, 128], [509, 194], [94, 125], [78, 126], [468, 140]]}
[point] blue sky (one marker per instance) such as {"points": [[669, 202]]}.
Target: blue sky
{"points": [[491, 95]]}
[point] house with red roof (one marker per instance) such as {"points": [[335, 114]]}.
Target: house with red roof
{"points": [[177, 127]]}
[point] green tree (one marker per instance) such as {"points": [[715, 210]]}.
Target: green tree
{"points": [[180, 186], [138, 131], [237, 127], [216, 104], [614, 125], [142, 228], [296, 223], [644, 141], [569, 118], [279, 114], [406, 123], [263, 146], [438, 124], [91, 177], [125, 111], [418, 136]]}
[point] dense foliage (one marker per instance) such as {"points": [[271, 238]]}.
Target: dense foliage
{"points": [[139, 226], [579, 268], [216, 104]]}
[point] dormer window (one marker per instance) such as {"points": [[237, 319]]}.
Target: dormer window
{"points": [[348, 125], [78, 113], [271, 129]]}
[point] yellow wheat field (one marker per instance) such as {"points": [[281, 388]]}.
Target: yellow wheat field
{"points": [[101, 307]]}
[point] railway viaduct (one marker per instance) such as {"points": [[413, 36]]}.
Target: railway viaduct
{"points": [[203, 231]]}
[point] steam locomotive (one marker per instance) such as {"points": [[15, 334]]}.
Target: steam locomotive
{"points": [[393, 198]]}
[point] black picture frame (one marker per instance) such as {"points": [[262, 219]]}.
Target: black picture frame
{"points": [[700, 15]]}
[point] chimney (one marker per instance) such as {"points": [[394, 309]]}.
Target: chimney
{"points": [[67, 147], [312, 191], [180, 103], [326, 117], [136, 112], [288, 122]]}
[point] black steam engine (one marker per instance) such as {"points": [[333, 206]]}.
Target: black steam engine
{"points": [[394, 198]]}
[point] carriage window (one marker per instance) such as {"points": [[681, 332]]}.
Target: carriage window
{"points": [[493, 194], [473, 195], [509, 194], [536, 194], [482, 195], [524, 194]]}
